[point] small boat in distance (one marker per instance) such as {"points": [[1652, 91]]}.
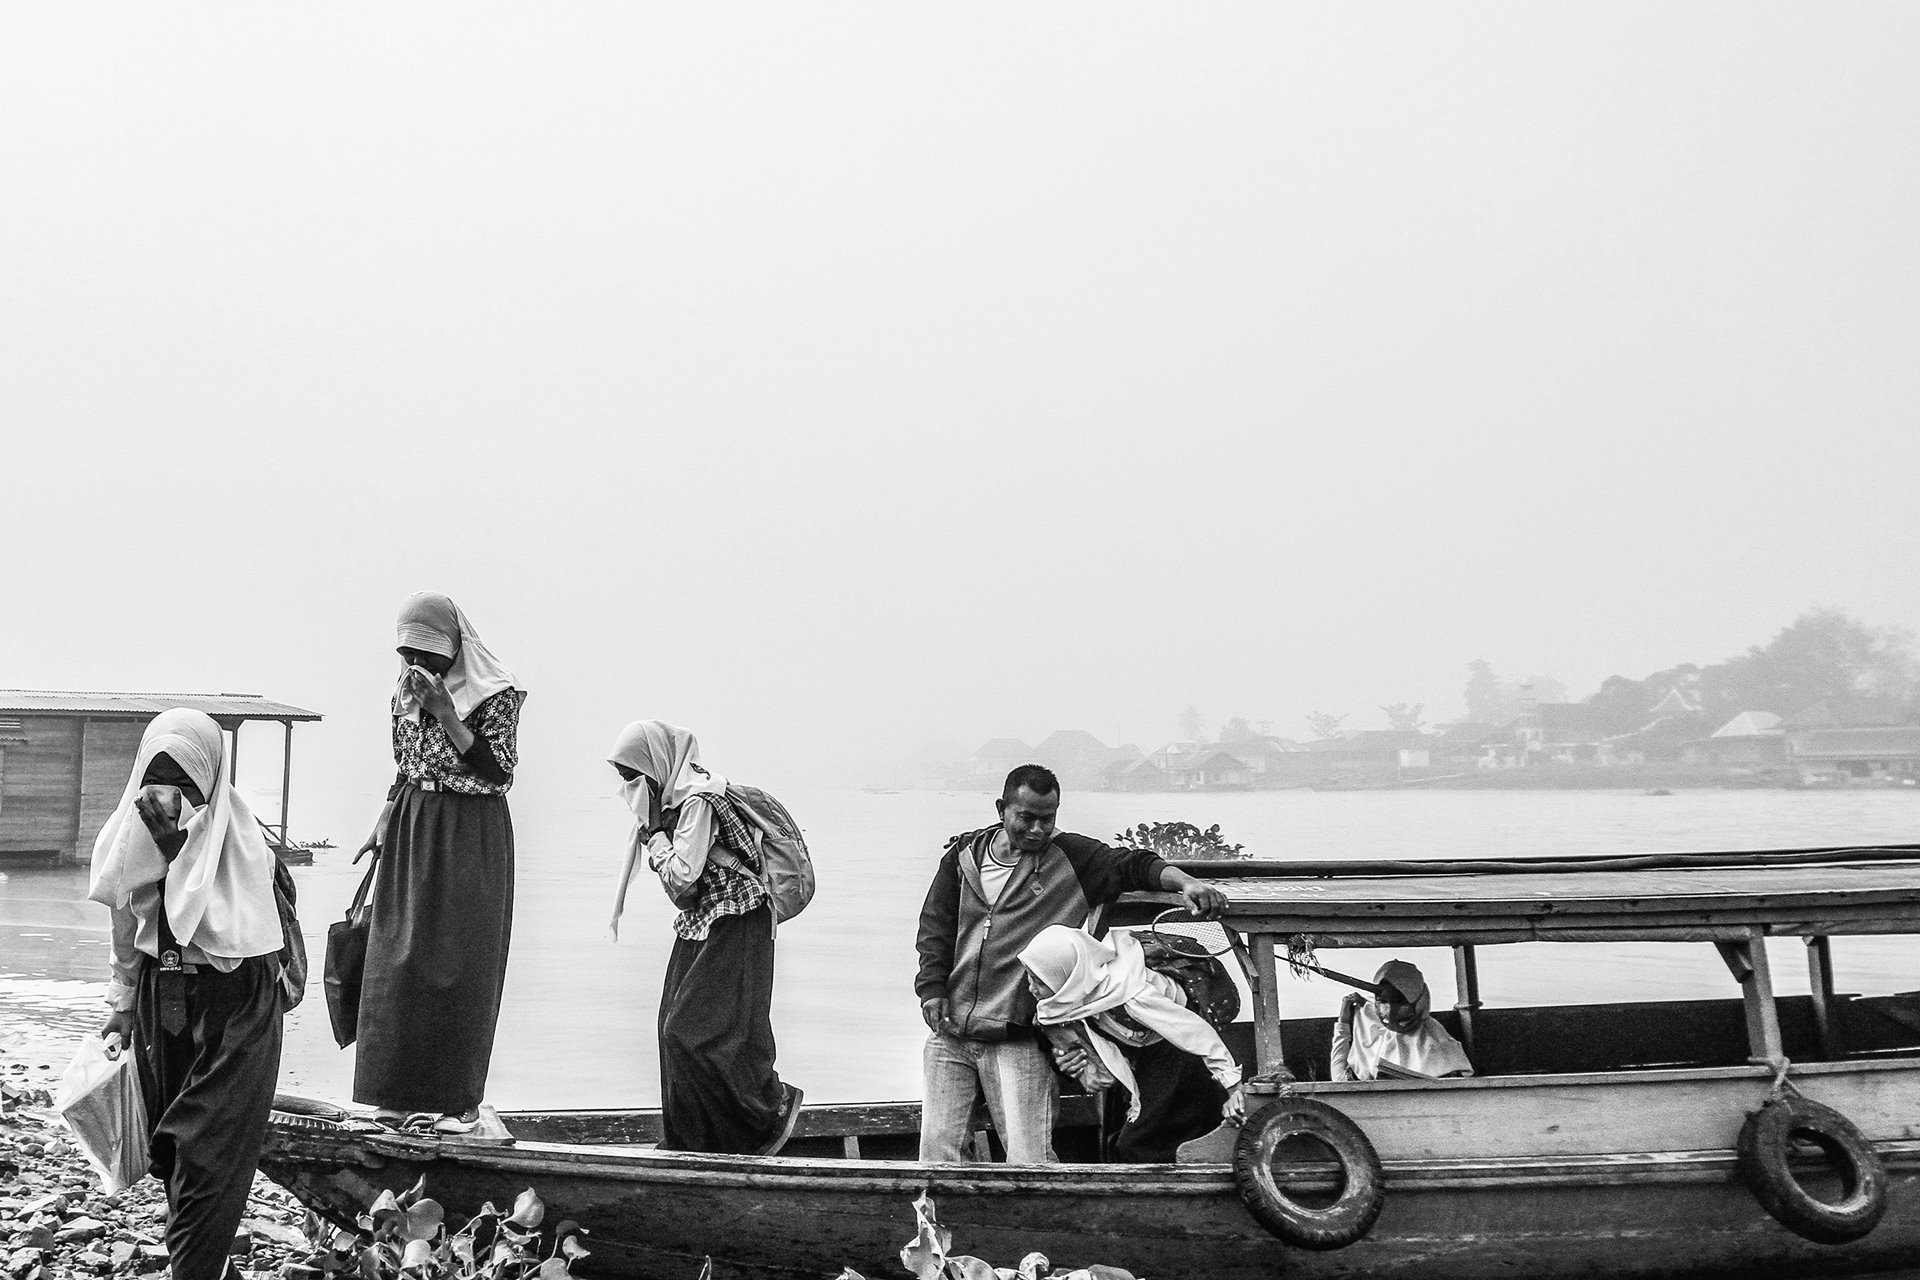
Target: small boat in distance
{"points": [[1633, 1139]]}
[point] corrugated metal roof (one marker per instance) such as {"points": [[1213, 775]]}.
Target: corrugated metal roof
{"points": [[245, 706]]}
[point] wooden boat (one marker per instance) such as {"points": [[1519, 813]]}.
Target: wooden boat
{"points": [[1596, 1141]]}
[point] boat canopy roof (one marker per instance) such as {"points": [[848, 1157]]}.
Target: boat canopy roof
{"points": [[1666, 897]]}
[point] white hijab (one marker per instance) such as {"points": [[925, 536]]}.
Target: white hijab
{"points": [[670, 757], [1089, 977], [219, 889], [430, 622]]}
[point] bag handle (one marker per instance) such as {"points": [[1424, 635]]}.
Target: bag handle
{"points": [[366, 887]]}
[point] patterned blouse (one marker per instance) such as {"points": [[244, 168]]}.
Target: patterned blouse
{"points": [[423, 751], [721, 890]]}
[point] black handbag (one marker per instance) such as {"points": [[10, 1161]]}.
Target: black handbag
{"points": [[346, 960]]}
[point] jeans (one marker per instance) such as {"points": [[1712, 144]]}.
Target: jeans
{"points": [[1022, 1097]]}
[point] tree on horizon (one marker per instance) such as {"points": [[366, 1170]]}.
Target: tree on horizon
{"points": [[1323, 725], [1404, 716]]}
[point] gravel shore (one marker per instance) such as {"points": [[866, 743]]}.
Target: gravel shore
{"points": [[56, 1222]]}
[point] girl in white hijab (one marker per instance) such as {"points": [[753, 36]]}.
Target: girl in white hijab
{"points": [[195, 983], [718, 1087], [442, 878], [1078, 978], [659, 767]]}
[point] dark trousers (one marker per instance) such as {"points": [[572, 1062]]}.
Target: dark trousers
{"points": [[208, 1091], [718, 1088], [1179, 1101]]}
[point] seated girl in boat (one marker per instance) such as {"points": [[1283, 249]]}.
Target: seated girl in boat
{"points": [[1394, 1035], [1099, 995]]}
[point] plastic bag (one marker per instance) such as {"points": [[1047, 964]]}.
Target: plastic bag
{"points": [[100, 1099]]}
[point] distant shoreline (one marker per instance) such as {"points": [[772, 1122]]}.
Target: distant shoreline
{"points": [[1540, 777]]}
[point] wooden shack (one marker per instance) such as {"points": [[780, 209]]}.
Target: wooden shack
{"points": [[65, 757]]}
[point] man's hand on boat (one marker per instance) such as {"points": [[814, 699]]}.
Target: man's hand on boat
{"points": [[1203, 900], [1234, 1110], [937, 1013]]}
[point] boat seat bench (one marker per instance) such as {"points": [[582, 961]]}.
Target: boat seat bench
{"points": [[1568, 1039]]}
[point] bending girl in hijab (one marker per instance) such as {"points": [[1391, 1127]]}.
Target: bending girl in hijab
{"points": [[1394, 1036], [1105, 986], [195, 981], [718, 1087], [443, 886]]}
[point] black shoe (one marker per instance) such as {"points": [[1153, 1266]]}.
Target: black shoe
{"points": [[789, 1117]]}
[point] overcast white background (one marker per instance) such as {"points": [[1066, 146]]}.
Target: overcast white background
{"points": [[823, 377]]}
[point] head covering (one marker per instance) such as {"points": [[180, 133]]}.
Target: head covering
{"points": [[1422, 1048], [670, 756], [434, 624], [219, 889], [1088, 977], [1405, 978]]}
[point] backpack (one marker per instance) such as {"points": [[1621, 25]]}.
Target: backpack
{"points": [[786, 867], [1209, 988], [293, 946]]}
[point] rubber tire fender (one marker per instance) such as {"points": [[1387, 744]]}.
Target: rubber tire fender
{"points": [[1767, 1139], [1340, 1224]]}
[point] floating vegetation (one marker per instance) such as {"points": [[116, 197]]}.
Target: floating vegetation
{"points": [[929, 1256], [407, 1237], [1181, 841]]}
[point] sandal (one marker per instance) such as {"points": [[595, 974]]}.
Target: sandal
{"points": [[388, 1118], [466, 1122]]}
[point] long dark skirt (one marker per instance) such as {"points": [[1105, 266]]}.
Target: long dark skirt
{"points": [[208, 1091], [436, 953], [1179, 1101], [718, 1088]]}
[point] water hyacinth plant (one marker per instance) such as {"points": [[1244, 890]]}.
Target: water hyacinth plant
{"points": [[1181, 841], [406, 1237], [929, 1256]]}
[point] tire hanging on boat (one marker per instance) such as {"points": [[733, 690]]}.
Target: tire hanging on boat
{"points": [[1766, 1143], [1363, 1189]]}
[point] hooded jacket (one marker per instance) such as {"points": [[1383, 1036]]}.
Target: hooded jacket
{"points": [[970, 947]]}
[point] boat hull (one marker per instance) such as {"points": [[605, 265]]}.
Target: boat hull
{"points": [[659, 1214]]}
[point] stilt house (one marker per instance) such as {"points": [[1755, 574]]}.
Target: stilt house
{"points": [[65, 757]]}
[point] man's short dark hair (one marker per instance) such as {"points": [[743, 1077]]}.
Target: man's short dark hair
{"points": [[1036, 778]]}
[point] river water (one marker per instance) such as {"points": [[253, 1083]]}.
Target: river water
{"points": [[577, 1025]]}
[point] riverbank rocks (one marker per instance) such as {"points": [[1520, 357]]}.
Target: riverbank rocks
{"points": [[57, 1223]]}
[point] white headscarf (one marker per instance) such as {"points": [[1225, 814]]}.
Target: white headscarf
{"points": [[1088, 977], [434, 624], [219, 889], [670, 757], [1428, 1049]]}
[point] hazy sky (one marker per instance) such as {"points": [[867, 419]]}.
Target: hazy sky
{"points": [[824, 376]]}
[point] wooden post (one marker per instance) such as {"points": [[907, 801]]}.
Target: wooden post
{"points": [[233, 756], [79, 793], [286, 776], [1246, 962], [1268, 1058], [1820, 985], [1756, 986], [1466, 991]]}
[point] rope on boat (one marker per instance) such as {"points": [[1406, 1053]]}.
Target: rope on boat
{"points": [[1781, 1085]]}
